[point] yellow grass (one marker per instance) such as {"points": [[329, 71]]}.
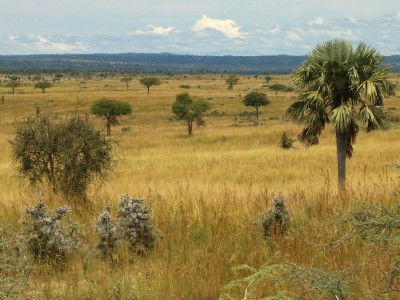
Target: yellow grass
{"points": [[204, 190]]}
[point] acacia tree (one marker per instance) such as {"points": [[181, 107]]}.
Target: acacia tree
{"points": [[111, 109], [256, 100], [333, 82], [149, 82], [126, 80], [43, 85], [13, 84], [231, 81], [190, 110], [267, 78], [66, 154]]}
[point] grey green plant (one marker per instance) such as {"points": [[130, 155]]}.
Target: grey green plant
{"points": [[136, 223], [49, 237], [109, 233], [276, 220]]}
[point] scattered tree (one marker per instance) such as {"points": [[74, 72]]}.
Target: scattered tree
{"points": [[256, 100], [126, 80], [278, 87], [111, 109], [43, 85], [333, 81], [267, 78], [190, 109], [13, 84], [66, 154], [231, 81], [149, 82]]}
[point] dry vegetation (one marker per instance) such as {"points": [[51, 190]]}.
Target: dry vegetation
{"points": [[205, 192]]}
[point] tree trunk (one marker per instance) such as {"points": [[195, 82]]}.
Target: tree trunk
{"points": [[190, 127], [148, 90], [257, 112], [108, 125], [341, 160]]}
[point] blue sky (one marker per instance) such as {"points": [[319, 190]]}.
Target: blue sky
{"points": [[246, 27]]}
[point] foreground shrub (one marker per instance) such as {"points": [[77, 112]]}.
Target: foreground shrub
{"points": [[67, 154], [276, 220], [136, 224], [49, 237], [109, 233]]}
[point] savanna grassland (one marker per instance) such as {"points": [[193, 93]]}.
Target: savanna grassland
{"points": [[205, 192]]}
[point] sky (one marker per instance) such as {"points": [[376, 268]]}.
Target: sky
{"points": [[203, 27]]}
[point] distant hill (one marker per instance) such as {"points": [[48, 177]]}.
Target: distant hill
{"points": [[159, 63]]}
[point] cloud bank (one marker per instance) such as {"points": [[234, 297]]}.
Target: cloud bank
{"points": [[213, 36]]}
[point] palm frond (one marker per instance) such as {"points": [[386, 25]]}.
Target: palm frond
{"points": [[374, 116], [341, 117], [351, 134]]}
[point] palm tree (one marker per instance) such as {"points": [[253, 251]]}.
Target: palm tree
{"points": [[338, 84]]}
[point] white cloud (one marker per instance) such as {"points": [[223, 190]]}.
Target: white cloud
{"points": [[155, 30], [352, 19], [227, 27], [45, 45], [293, 36], [317, 21], [11, 38]]}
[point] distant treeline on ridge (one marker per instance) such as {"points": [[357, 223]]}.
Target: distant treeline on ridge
{"points": [[159, 63]]}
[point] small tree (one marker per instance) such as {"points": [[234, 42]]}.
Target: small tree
{"points": [[13, 84], [43, 85], [256, 100], [231, 81], [149, 82], [190, 109], [278, 87], [66, 154], [267, 78], [111, 109], [126, 80]]}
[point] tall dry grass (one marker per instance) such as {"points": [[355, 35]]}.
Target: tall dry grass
{"points": [[205, 192]]}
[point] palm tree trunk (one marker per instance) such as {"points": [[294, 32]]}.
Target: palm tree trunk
{"points": [[341, 159]]}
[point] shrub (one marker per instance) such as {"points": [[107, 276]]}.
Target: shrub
{"points": [[133, 224], [276, 220], [49, 237], [136, 224], [286, 142], [109, 232], [184, 86], [66, 154]]}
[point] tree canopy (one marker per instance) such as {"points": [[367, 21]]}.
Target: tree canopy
{"points": [[126, 80], [334, 83], [13, 84], [190, 110], [43, 85], [68, 154], [256, 100], [111, 109], [149, 82], [231, 81]]}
